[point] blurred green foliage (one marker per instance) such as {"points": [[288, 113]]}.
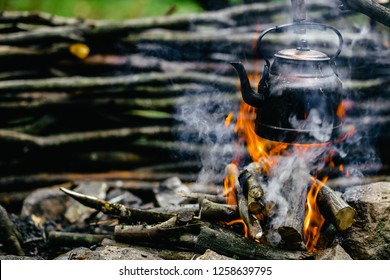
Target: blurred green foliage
{"points": [[103, 9]]}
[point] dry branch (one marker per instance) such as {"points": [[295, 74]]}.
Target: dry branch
{"points": [[371, 8], [76, 239], [118, 210], [202, 196]]}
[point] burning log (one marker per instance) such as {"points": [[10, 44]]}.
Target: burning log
{"points": [[251, 186], [233, 245], [254, 228], [334, 208], [235, 195], [291, 228]]}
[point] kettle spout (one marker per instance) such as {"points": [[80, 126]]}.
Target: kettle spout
{"points": [[249, 96]]}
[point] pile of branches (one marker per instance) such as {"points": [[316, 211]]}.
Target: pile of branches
{"points": [[81, 96]]}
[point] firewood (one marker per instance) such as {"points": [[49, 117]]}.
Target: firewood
{"points": [[335, 209], [327, 236], [233, 245], [187, 209], [119, 210], [76, 239], [291, 227], [202, 196], [216, 212], [169, 233], [145, 232], [254, 228], [251, 186]]}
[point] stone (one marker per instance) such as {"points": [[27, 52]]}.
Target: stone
{"points": [[369, 237], [211, 255], [78, 213], [108, 252], [333, 253], [124, 197], [45, 204], [168, 193]]}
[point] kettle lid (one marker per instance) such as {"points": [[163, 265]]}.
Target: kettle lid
{"points": [[302, 52], [295, 54]]}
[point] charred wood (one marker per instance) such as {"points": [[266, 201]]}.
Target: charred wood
{"points": [[233, 245]]}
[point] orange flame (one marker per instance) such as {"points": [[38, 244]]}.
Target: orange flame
{"points": [[240, 221], [229, 119], [260, 150], [313, 220], [229, 188]]}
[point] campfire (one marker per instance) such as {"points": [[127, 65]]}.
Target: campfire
{"points": [[279, 177]]}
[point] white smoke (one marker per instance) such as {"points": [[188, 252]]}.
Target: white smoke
{"points": [[288, 184], [205, 118]]}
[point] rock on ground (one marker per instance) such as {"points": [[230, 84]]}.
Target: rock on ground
{"points": [[108, 252], [369, 237], [333, 253], [211, 255]]}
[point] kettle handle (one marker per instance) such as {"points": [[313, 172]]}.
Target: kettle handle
{"points": [[308, 25]]}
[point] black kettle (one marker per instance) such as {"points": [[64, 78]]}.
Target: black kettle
{"points": [[299, 94]]}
